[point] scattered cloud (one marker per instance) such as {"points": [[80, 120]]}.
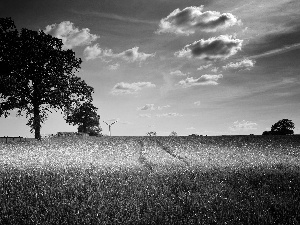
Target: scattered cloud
{"points": [[92, 52], [245, 64], [147, 107], [145, 115], [277, 51], [115, 17], [114, 66], [178, 73], [191, 128], [197, 103], [214, 70], [243, 126], [70, 35], [169, 115], [203, 80], [130, 55], [151, 107], [213, 48], [130, 88], [204, 67], [125, 122], [192, 19], [163, 107]]}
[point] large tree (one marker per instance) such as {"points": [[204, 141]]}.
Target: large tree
{"points": [[37, 75], [283, 127], [86, 117]]}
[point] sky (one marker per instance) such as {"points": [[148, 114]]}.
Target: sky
{"points": [[207, 67]]}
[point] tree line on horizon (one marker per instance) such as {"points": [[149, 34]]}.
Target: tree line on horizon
{"points": [[282, 127]]}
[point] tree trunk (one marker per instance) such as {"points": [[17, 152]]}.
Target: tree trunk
{"points": [[36, 111], [84, 127], [37, 122]]}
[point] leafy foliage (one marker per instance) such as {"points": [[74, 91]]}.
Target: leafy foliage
{"points": [[266, 132], [173, 133], [151, 133], [283, 127], [36, 75], [86, 117]]}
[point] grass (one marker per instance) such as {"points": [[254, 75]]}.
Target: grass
{"points": [[76, 190]]}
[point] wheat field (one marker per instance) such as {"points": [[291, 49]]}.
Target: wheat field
{"points": [[151, 180]]}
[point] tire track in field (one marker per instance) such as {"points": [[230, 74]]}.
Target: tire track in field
{"points": [[142, 159], [172, 153]]}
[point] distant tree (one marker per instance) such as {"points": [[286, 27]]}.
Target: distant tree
{"points": [[86, 117], [36, 75], [194, 135], [267, 132], [283, 127], [92, 131], [173, 133], [151, 133]]}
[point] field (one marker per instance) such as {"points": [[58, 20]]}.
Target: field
{"points": [[151, 180]]}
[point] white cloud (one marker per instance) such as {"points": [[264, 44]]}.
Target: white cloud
{"points": [[130, 88], [92, 52], [214, 70], [203, 80], [243, 126], [277, 51], [192, 19], [114, 66], [204, 67], [163, 107], [191, 128], [169, 115], [151, 107], [145, 115], [71, 36], [178, 73], [147, 107], [130, 55], [245, 64], [213, 48], [125, 122], [197, 103]]}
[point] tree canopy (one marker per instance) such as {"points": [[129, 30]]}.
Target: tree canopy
{"points": [[37, 75], [86, 117], [151, 133], [282, 127], [173, 133]]}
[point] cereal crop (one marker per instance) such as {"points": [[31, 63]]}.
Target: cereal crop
{"points": [[151, 180]]}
